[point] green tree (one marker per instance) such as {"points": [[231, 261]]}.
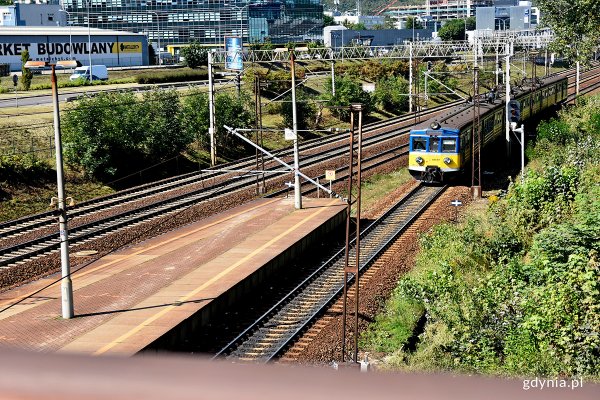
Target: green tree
{"points": [[471, 23], [232, 111], [26, 74], [328, 21], [162, 135], [389, 22], [453, 29], [347, 91], [195, 55], [113, 134], [575, 24], [195, 117], [391, 94], [229, 110], [151, 54], [410, 21]]}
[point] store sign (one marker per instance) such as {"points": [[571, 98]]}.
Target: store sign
{"points": [[51, 49], [104, 52], [233, 48], [129, 47]]}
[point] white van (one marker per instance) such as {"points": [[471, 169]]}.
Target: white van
{"points": [[99, 73]]}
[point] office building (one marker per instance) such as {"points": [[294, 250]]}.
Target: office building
{"points": [[205, 21]]}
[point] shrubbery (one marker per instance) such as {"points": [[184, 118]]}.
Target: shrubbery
{"points": [[515, 290], [112, 134], [169, 76], [25, 168], [347, 91]]}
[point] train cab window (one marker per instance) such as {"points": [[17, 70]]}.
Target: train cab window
{"points": [[419, 144], [449, 146], [434, 144]]}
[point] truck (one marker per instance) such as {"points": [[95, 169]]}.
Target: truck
{"points": [[99, 72]]}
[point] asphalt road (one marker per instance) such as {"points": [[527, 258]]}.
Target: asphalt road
{"points": [[64, 95]]}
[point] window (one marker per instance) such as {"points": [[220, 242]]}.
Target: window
{"points": [[419, 144], [434, 144], [448, 145]]}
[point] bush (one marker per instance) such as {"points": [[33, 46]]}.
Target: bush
{"points": [[392, 94], [168, 76], [347, 91], [26, 74], [516, 289], [305, 110], [194, 55], [112, 134], [24, 168]]}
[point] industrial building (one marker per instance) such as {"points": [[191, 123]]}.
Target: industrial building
{"points": [[51, 44], [207, 22]]}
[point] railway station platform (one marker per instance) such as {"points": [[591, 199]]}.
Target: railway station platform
{"points": [[168, 287]]}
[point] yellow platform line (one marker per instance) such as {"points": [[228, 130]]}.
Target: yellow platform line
{"points": [[215, 278]]}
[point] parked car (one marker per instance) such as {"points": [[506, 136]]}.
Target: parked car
{"points": [[99, 73]]}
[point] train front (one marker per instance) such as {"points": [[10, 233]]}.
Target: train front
{"points": [[434, 153]]}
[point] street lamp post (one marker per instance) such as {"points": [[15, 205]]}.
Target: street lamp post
{"points": [[70, 36], [158, 34], [89, 38], [66, 282], [240, 10]]}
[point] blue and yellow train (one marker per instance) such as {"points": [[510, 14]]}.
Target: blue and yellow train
{"points": [[440, 148]]}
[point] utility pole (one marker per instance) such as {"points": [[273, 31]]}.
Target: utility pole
{"points": [[497, 71], [66, 285], [507, 98], [353, 269], [333, 78], [476, 139], [410, 76], [577, 81], [211, 112], [297, 189]]}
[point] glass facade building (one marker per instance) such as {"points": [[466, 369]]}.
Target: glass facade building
{"points": [[205, 21]]}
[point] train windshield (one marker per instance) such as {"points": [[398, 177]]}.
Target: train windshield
{"points": [[419, 143], [434, 144], [449, 146]]}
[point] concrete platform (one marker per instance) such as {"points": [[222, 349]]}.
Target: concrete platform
{"points": [[165, 288]]}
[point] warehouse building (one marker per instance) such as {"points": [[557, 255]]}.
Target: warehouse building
{"points": [[51, 44]]}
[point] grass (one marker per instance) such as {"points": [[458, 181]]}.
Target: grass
{"points": [[41, 82], [380, 185], [21, 200]]}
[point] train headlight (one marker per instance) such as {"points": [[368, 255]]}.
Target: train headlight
{"points": [[447, 160], [419, 160]]}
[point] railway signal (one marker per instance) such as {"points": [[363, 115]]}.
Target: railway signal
{"points": [[514, 111]]}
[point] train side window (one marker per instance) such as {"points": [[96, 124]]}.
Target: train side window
{"points": [[448, 145], [434, 144], [419, 143]]}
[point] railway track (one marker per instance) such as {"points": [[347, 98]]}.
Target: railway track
{"points": [[372, 135], [186, 190], [277, 328], [49, 243]]}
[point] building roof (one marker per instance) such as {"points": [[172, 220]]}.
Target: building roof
{"points": [[60, 31]]}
